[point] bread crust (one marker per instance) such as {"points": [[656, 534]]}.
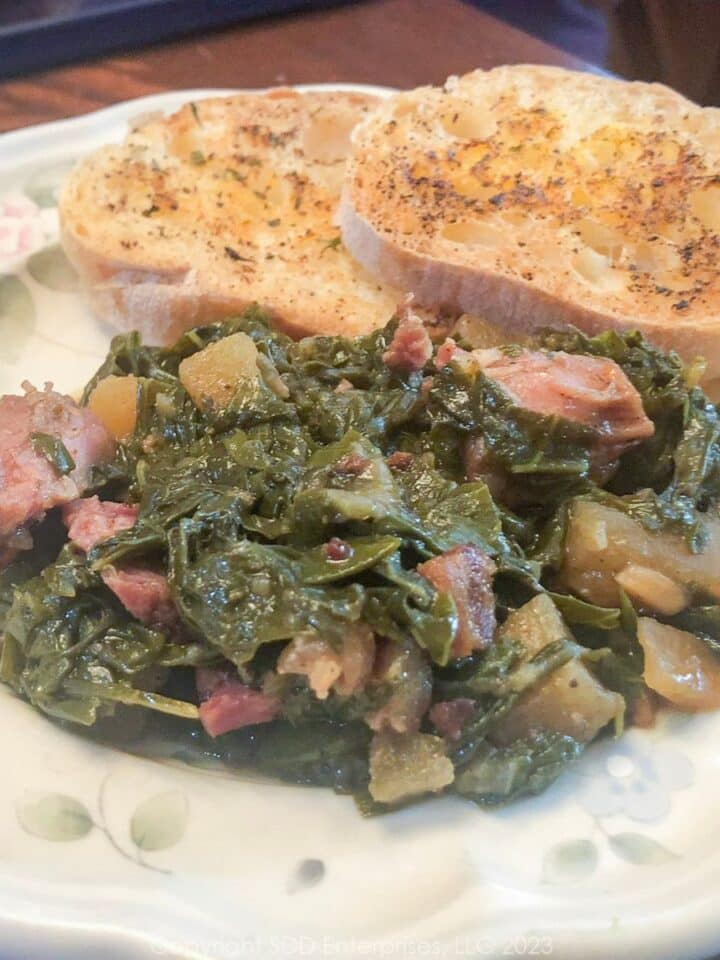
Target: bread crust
{"points": [[534, 196], [227, 202]]}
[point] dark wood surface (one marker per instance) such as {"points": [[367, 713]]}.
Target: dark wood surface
{"points": [[399, 43]]}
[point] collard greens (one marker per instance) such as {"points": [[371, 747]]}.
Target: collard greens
{"points": [[237, 506]]}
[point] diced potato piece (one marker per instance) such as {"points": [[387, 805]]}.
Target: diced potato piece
{"points": [[570, 701], [602, 541], [404, 765], [652, 590], [537, 624], [212, 375], [114, 401], [679, 666]]}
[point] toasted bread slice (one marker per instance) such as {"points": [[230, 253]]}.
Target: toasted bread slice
{"points": [[226, 202], [534, 196]]}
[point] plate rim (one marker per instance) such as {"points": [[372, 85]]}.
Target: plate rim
{"points": [[88, 938]]}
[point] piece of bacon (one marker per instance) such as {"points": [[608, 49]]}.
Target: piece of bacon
{"points": [[466, 573], [145, 594], [228, 704], [91, 520], [450, 716], [411, 346], [29, 484]]}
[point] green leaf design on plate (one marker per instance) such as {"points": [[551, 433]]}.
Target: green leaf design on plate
{"points": [[160, 822], [54, 816], [640, 850], [52, 269], [17, 316], [570, 861]]}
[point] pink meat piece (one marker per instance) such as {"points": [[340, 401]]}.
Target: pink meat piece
{"points": [[593, 391], [29, 484], [450, 716], [400, 460], [479, 465], [227, 704], [466, 573], [411, 347], [144, 593], [209, 680], [447, 352], [90, 521]]}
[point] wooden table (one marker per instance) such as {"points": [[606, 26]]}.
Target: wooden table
{"points": [[400, 43]]}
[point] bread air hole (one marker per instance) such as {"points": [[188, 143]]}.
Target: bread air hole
{"points": [[705, 206], [513, 218], [468, 121], [676, 231], [326, 138], [601, 238], [595, 268], [608, 147], [473, 233], [660, 260]]}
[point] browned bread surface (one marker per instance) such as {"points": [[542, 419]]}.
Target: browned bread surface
{"points": [[226, 202], [534, 196]]}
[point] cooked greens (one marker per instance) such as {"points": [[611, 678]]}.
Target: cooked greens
{"points": [[281, 538]]}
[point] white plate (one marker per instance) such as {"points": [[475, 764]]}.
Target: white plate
{"points": [[104, 854]]}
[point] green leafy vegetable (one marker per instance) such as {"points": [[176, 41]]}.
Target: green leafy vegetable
{"points": [[54, 451], [498, 774], [73, 651], [303, 509]]}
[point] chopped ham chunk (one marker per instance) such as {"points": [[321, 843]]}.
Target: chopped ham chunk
{"points": [[593, 391], [209, 680], [400, 460], [30, 484], [227, 704], [92, 520], [479, 465], [449, 351], [450, 716], [344, 670], [144, 593], [353, 465], [466, 573], [411, 347]]}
